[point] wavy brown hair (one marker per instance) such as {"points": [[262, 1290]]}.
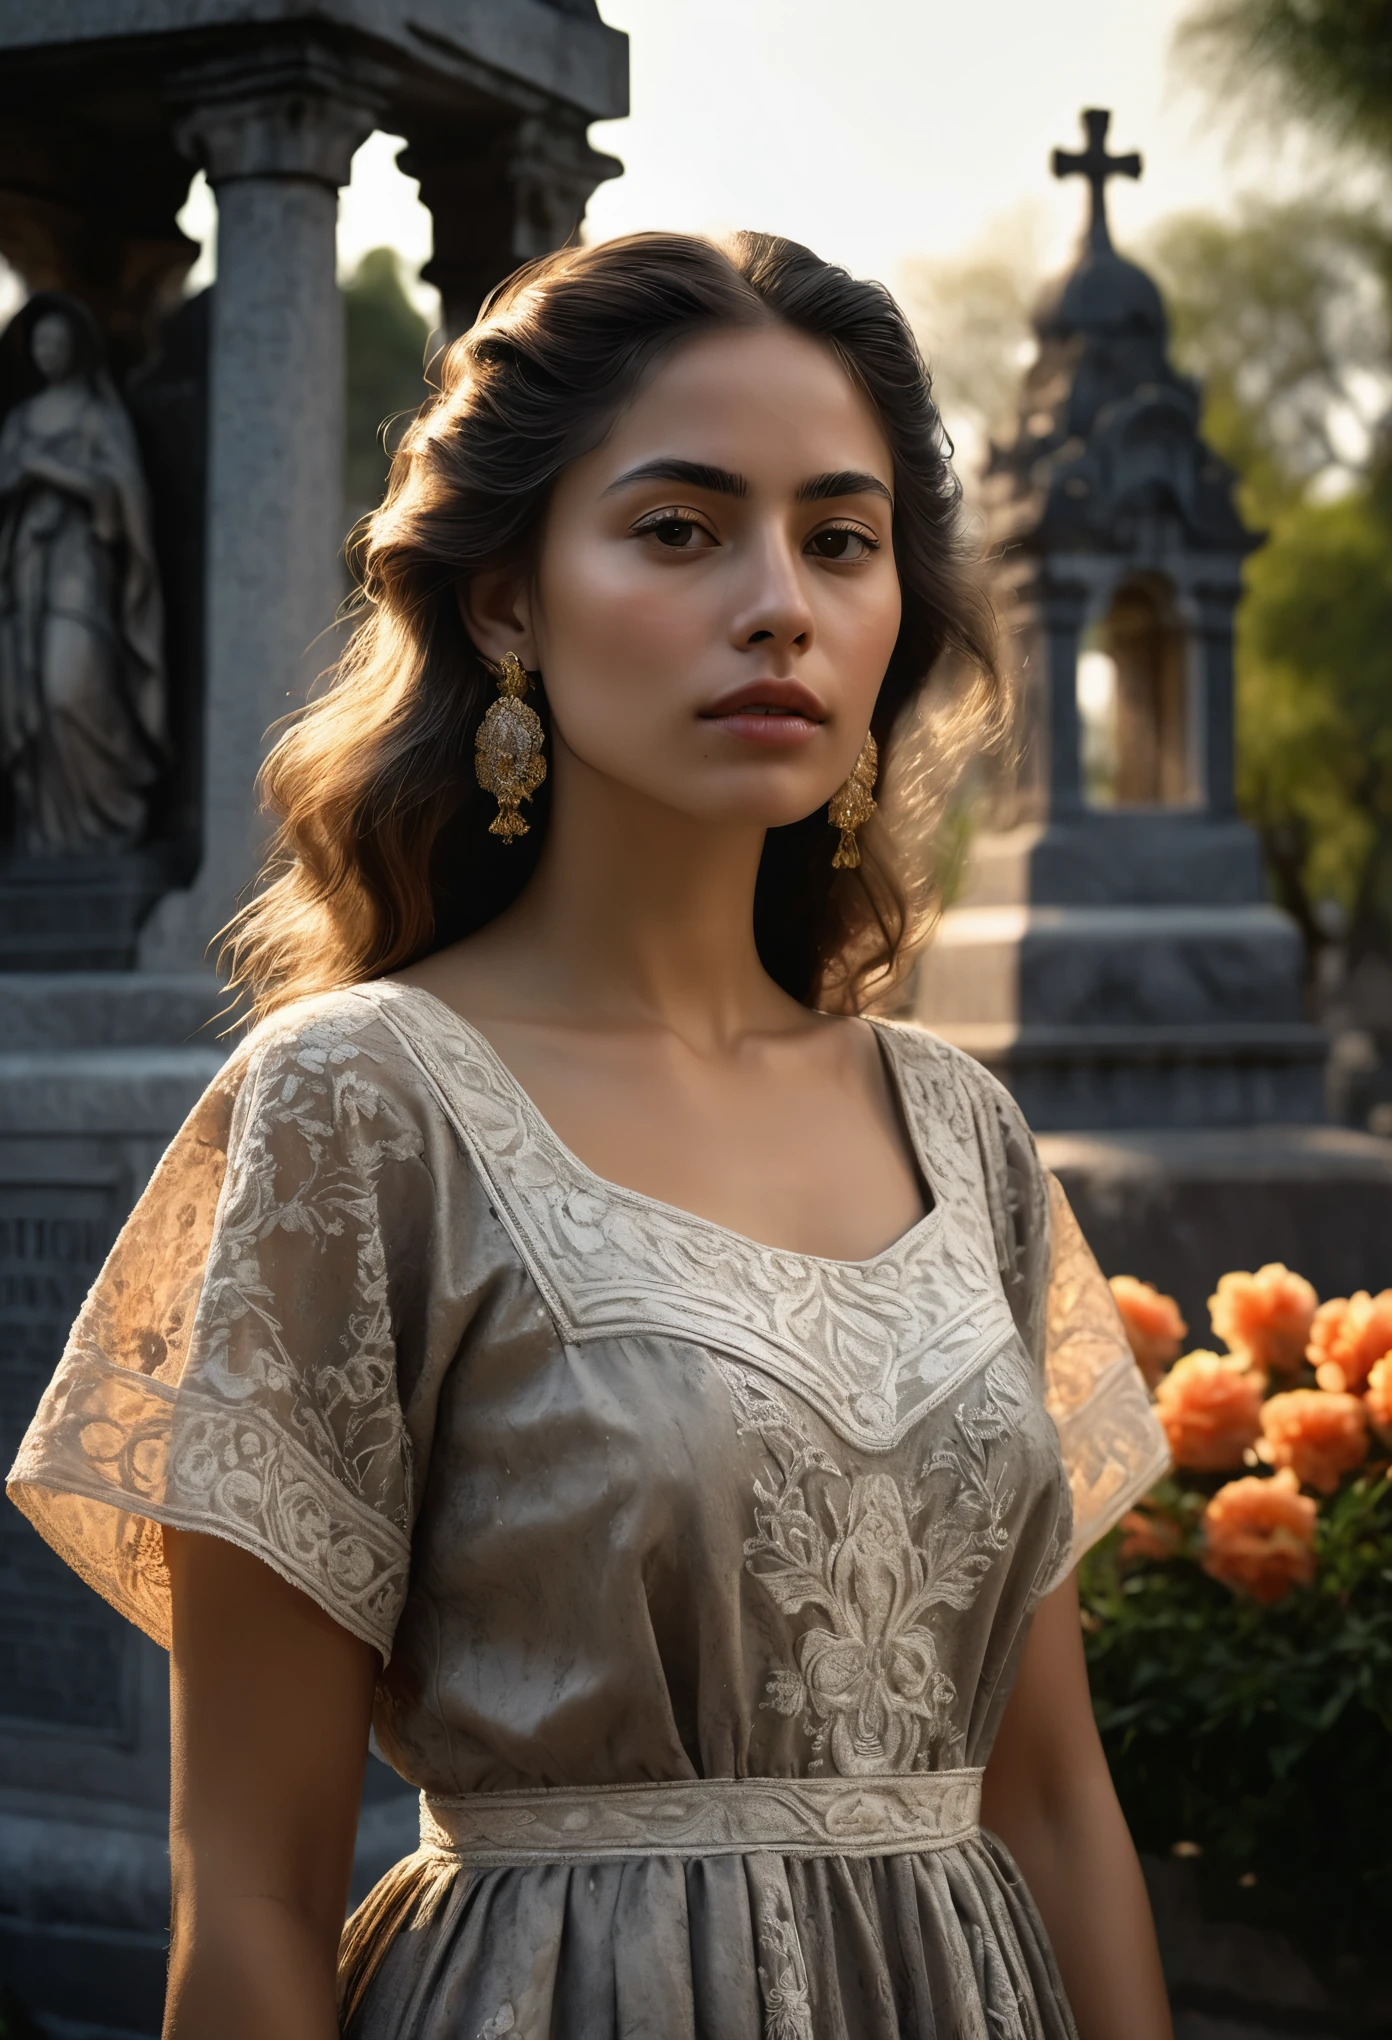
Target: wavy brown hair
{"points": [[383, 852]]}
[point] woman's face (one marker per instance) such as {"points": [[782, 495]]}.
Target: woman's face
{"points": [[52, 346], [715, 599]]}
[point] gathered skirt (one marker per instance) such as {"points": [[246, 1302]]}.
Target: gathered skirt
{"points": [[945, 1945]]}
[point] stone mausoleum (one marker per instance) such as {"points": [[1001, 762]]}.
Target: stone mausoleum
{"points": [[168, 585], [1113, 954]]}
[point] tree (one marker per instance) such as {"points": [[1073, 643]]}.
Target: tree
{"points": [[972, 317], [1286, 315], [1282, 312], [1315, 712], [1327, 62], [387, 342]]}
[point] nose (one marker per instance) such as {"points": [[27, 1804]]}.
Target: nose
{"points": [[773, 609]]}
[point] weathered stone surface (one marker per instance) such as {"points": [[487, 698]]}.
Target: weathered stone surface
{"points": [[59, 1010], [1180, 1208], [531, 47], [275, 157], [1106, 1016]]}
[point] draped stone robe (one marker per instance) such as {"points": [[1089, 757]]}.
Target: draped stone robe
{"points": [[82, 698]]}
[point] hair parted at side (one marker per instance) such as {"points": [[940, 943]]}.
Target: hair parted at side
{"points": [[382, 852]]}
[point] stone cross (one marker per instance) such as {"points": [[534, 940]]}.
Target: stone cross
{"points": [[1097, 166]]}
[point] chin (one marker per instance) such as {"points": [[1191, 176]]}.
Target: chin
{"points": [[766, 814], [764, 800]]}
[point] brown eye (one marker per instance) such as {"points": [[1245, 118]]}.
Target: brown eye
{"points": [[678, 534], [673, 531], [841, 544]]}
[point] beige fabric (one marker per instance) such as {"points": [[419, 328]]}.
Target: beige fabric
{"points": [[622, 1499], [707, 1817], [1112, 1443]]}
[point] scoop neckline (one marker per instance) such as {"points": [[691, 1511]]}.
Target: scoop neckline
{"points": [[542, 1129]]}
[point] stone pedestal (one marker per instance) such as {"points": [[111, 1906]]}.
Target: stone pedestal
{"points": [[1180, 1207], [96, 1071], [1127, 970]]}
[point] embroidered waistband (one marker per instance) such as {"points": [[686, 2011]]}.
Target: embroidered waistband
{"points": [[706, 1817]]}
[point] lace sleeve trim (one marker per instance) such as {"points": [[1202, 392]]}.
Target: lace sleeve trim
{"points": [[1114, 1450], [234, 1368], [1113, 1446], [119, 1455]]}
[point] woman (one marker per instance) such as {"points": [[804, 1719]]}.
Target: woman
{"points": [[81, 660], [567, 1334]]}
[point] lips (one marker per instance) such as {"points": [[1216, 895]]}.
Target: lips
{"points": [[774, 700]]}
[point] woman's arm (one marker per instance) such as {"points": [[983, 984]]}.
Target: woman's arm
{"points": [[1048, 1794], [271, 1704]]}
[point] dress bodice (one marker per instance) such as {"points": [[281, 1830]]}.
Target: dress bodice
{"points": [[618, 1494]]}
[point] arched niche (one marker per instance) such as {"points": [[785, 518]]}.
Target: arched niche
{"points": [[1137, 713]]}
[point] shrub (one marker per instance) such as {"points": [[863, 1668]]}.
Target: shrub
{"points": [[1239, 1630]]}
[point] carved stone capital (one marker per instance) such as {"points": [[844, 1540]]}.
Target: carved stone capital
{"points": [[501, 193], [554, 171], [296, 113]]}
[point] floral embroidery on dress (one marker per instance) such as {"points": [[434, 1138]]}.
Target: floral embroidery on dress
{"points": [[867, 1684], [348, 1416], [787, 2006]]}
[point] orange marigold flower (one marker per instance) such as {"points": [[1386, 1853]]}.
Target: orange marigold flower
{"points": [[1320, 1434], [1210, 1407], [1153, 1324], [1378, 1401], [1349, 1333], [1147, 1533], [1265, 1317], [1259, 1536]]}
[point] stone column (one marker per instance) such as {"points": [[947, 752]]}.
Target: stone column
{"points": [[1062, 618], [1217, 708], [276, 140], [500, 193]]}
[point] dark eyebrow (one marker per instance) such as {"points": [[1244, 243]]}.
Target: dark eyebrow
{"points": [[695, 474], [848, 482]]}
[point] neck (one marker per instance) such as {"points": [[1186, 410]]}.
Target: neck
{"points": [[641, 915]]}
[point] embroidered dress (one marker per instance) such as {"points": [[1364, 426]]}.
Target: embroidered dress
{"points": [[699, 1570]]}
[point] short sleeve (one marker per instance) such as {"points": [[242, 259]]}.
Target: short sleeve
{"points": [[1114, 1448], [235, 1368], [1113, 1445]]}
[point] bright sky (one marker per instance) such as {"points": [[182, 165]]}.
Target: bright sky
{"points": [[874, 130]]}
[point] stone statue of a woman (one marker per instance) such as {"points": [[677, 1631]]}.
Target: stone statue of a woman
{"points": [[81, 664]]}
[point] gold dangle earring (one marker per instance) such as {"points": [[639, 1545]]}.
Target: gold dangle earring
{"points": [[852, 805], [508, 760]]}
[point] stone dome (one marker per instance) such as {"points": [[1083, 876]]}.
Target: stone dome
{"points": [[1103, 296]]}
